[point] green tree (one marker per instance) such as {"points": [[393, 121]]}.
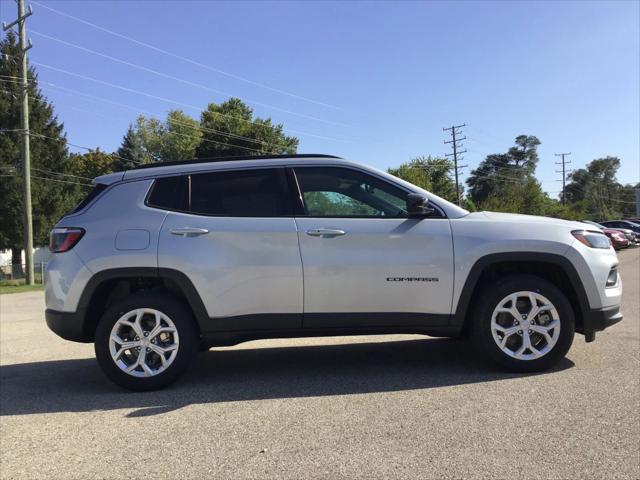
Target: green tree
{"points": [[506, 181], [131, 152], [86, 166], [79, 170], [182, 137], [595, 190], [48, 154], [626, 198], [229, 129], [429, 173], [152, 140]]}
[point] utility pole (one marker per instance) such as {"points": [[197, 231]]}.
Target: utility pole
{"points": [[26, 157], [564, 173], [454, 129]]}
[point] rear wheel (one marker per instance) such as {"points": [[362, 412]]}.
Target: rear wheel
{"points": [[523, 323], [146, 341]]}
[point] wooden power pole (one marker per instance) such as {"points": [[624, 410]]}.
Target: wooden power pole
{"points": [[564, 173], [456, 153], [26, 154]]}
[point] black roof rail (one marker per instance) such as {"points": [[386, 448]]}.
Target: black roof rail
{"points": [[229, 159]]}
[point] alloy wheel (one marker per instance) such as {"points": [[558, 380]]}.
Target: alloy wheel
{"points": [[144, 342], [525, 325]]}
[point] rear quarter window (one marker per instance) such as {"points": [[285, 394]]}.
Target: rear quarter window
{"points": [[170, 193], [95, 191]]}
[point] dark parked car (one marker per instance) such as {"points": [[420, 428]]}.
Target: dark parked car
{"points": [[633, 237], [617, 224]]}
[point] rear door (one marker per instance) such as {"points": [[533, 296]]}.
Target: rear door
{"points": [[365, 263], [232, 234]]}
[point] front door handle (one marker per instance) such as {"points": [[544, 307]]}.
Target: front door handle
{"points": [[189, 231], [325, 232]]}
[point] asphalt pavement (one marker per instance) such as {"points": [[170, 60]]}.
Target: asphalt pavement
{"points": [[393, 406]]}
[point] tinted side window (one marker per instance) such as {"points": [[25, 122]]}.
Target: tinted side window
{"points": [[341, 192], [170, 193], [95, 191], [242, 193]]}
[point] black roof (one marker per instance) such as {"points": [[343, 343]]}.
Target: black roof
{"points": [[228, 159]]}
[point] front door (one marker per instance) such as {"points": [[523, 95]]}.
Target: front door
{"points": [[365, 262]]}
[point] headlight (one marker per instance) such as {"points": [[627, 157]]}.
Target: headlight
{"points": [[592, 239]]}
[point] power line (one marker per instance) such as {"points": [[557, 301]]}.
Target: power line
{"points": [[15, 79], [129, 160], [138, 92], [62, 174], [149, 95], [564, 174], [39, 135], [51, 180], [169, 120], [455, 144], [13, 169], [185, 59], [82, 147], [63, 181], [182, 80], [77, 93]]}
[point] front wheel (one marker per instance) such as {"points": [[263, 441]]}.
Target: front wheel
{"points": [[523, 323], [145, 341]]}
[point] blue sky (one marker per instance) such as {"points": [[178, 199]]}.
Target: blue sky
{"points": [[384, 78]]}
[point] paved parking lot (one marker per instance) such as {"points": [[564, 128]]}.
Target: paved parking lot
{"points": [[389, 406]]}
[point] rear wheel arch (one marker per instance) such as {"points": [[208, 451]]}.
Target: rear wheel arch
{"points": [[109, 286], [554, 268]]}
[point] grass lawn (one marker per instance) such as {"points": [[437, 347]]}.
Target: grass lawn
{"points": [[17, 288]]}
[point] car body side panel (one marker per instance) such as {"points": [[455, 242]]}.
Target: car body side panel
{"points": [[479, 234], [379, 265], [242, 266], [121, 209], [119, 212], [593, 267], [65, 279]]}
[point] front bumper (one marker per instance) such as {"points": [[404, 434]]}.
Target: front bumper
{"points": [[68, 325], [599, 319]]}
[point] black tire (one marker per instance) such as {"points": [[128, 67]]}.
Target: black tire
{"points": [[481, 317], [185, 326]]}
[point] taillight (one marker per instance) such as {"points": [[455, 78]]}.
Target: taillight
{"points": [[64, 239]]}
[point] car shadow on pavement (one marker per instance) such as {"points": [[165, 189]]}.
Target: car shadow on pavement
{"points": [[253, 374]]}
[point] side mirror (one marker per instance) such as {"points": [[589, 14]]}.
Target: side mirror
{"points": [[418, 206]]}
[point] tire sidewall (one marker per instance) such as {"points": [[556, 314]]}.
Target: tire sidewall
{"points": [[483, 337], [179, 315]]}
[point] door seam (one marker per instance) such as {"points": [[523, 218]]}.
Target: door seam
{"points": [[301, 266]]}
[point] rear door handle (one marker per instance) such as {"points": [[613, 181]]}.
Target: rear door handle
{"points": [[189, 231], [325, 232]]}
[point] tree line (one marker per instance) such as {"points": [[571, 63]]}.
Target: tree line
{"points": [[61, 179], [506, 182]]}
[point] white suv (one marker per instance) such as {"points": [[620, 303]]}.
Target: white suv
{"points": [[162, 260]]}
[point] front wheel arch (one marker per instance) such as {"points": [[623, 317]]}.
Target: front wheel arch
{"points": [[489, 269]]}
